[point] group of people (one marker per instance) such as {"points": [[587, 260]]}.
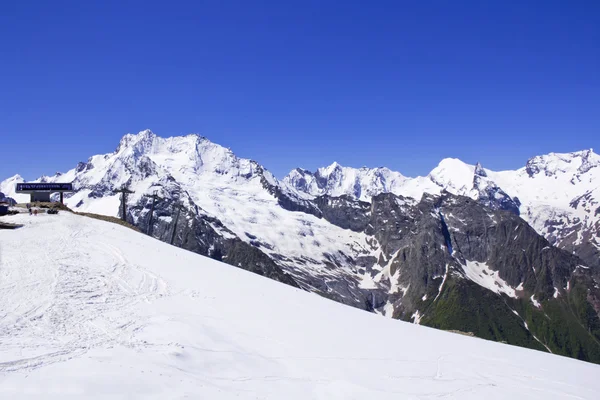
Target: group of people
{"points": [[31, 210]]}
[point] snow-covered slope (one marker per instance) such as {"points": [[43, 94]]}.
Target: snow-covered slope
{"points": [[90, 309]]}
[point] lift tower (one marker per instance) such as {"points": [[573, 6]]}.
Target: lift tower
{"points": [[124, 192]]}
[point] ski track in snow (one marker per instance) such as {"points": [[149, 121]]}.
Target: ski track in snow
{"points": [[66, 294], [90, 309]]}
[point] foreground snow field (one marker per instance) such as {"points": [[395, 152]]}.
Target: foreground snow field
{"points": [[90, 309]]}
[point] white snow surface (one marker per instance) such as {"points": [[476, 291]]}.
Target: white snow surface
{"points": [[90, 309], [535, 302], [484, 276]]}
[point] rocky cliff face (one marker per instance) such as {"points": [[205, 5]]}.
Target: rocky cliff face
{"points": [[455, 264], [464, 248]]}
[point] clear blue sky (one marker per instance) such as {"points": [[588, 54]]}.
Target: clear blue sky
{"points": [[398, 83]]}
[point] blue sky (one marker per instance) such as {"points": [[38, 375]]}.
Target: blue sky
{"points": [[401, 84]]}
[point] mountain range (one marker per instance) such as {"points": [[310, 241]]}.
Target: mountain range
{"points": [[511, 256]]}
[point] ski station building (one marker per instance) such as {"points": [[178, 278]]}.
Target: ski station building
{"points": [[42, 191]]}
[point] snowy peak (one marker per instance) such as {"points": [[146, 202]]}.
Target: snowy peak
{"points": [[479, 171], [460, 178], [334, 168], [140, 142], [453, 175], [148, 163], [130, 138], [14, 178], [336, 180], [302, 180], [184, 156], [576, 169], [11, 181], [552, 164], [8, 188]]}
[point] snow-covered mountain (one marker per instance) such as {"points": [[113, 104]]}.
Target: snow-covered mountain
{"points": [[224, 196], [361, 184], [111, 313], [560, 198], [447, 250], [9, 186], [557, 194]]}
